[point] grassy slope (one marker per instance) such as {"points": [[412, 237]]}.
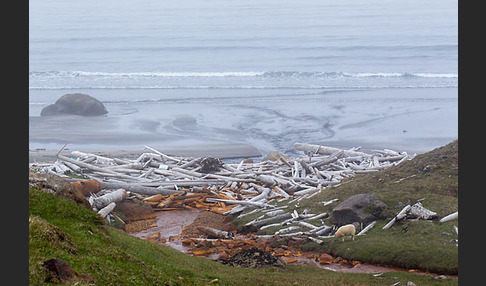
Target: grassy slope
{"points": [[59, 228], [433, 177]]}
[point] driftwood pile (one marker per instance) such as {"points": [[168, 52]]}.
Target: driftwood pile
{"points": [[167, 182]]}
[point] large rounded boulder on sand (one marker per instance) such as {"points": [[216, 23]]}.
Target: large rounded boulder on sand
{"points": [[76, 103]]}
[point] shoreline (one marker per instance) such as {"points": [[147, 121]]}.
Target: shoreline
{"points": [[225, 150], [219, 150]]}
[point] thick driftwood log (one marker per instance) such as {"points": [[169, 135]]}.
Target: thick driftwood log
{"points": [[449, 217], [136, 188], [216, 233], [106, 210], [418, 211], [271, 181], [102, 201], [325, 150]]}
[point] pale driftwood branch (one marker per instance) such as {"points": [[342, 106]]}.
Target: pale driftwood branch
{"points": [[322, 215], [286, 230], [399, 216], [163, 155], [325, 150], [265, 221], [136, 188], [450, 217], [368, 227], [246, 203], [316, 240], [306, 224], [99, 159], [106, 210], [325, 229], [325, 203], [216, 233], [94, 168]]}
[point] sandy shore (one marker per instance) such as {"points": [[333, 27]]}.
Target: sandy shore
{"points": [[215, 123]]}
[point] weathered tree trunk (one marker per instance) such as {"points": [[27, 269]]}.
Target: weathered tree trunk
{"points": [[418, 211], [136, 188], [102, 201], [450, 217], [325, 150], [106, 210]]}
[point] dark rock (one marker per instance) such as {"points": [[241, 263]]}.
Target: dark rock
{"points": [[361, 208], [254, 258], [60, 270], [77, 104], [54, 184]]}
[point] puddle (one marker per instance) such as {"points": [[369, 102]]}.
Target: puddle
{"points": [[169, 227]]}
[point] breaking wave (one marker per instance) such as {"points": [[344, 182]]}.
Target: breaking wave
{"points": [[243, 80]]}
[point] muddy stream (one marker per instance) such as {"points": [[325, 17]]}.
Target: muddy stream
{"points": [[169, 231]]}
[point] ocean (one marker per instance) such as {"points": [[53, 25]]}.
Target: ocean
{"points": [[265, 73]]}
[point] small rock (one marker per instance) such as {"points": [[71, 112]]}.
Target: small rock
{"points": [[325, 259], [440, 277]]}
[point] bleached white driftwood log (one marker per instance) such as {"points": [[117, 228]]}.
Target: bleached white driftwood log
{"points": [[102, 201], [258, 223], [449, 217], [163, 155], [97, 158], [325, 150], [136, 188], [418, 211], [240, 202], [107, 209], [325, 203], [399, 216], [368, 227], [216, 233], [96, 168]]}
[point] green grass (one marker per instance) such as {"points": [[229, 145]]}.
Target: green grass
{"points": [[431, 177], [58, 228]]}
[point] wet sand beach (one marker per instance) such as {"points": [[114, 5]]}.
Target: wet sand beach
{"points": [[237, 125]]}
